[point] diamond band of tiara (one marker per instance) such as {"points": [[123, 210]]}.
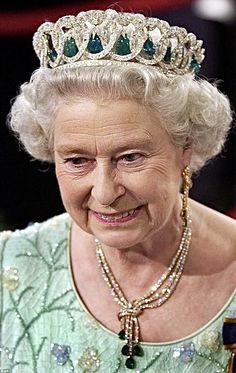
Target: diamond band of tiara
{"points": [[96, 36]]}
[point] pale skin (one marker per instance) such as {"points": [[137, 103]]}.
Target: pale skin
{"points": [[113, 157]]}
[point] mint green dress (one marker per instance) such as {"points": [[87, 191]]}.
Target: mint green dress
{"points": [[46, 328]]}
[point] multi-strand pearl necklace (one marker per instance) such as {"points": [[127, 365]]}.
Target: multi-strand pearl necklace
{"points": [[158, 294]]}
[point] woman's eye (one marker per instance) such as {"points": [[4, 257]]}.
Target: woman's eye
{"points": [[132, 157], [78, 161]]}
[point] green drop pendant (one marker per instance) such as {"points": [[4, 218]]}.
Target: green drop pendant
{"points": [[123, 46], [149, 48], [52, 55], [70, 48], [125, 350], [95, 44], [195, 65], [167, 56], [121, 335], [138, 351], [130, 363]]}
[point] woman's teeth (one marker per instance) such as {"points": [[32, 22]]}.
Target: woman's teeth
{"points": [[118, 216]]}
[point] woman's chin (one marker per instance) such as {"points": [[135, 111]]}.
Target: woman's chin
{"points": [[118, 240]]}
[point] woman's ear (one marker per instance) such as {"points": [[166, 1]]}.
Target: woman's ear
{"points": [[187, 155]]}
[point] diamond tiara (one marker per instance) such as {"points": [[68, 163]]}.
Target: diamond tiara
{"points": [[97, 37]]}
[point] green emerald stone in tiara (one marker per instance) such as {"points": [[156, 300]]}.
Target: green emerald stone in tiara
{"points": [[97, 37], [70, 48], [149, 48], [52, 55], [167, 56], [94, 44], [195, 65], [123, 46]]}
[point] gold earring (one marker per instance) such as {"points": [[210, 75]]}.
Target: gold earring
{"points": [[187, 184]]}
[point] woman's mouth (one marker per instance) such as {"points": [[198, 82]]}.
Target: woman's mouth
{"points": [[117, 217]]}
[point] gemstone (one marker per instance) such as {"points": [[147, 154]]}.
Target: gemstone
{"points": [[122, 46], [167, 56], [185, 353], [138, 351], [130, 363], [89, 361], [187, 356], [121, 334], [61, 353], [52, 55], [195, 65], [211, 340], [9, 278], [70, 48], [149, 48], [125, 350], [95, 44]]}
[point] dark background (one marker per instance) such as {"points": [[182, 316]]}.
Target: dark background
{"points": [[28, 189]]}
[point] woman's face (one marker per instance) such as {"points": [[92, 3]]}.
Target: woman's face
{"points": [[119, 173]]}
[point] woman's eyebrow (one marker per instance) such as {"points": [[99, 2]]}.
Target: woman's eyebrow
{"points": [[144, 143]]}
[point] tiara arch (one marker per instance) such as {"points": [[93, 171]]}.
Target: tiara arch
{"points": [[97, 37]]}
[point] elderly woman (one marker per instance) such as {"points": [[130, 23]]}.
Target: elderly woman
{"points": [[134, 275]]}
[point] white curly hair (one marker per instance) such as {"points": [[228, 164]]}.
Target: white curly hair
{"points": [[194, 111]]}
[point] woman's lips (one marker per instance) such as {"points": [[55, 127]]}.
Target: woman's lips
{"points": [[117, 218]]}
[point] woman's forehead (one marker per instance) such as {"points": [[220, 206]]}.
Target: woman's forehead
{"points": [[92, 117], [90, 109], [117, 125]]}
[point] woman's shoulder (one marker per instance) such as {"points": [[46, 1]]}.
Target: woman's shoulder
{"points": [[50, 225], [36, 237], [29, 257], [38, 305]]}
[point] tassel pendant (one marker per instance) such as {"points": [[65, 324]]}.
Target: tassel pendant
{"points": [[130, 333]]}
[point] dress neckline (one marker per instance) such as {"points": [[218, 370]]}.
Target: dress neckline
{"points": [[231, 299]]}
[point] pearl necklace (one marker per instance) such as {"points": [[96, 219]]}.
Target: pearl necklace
{"points": [[158, 294]]}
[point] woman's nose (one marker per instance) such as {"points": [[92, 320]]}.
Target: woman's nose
{"points": [[106, 187]]}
